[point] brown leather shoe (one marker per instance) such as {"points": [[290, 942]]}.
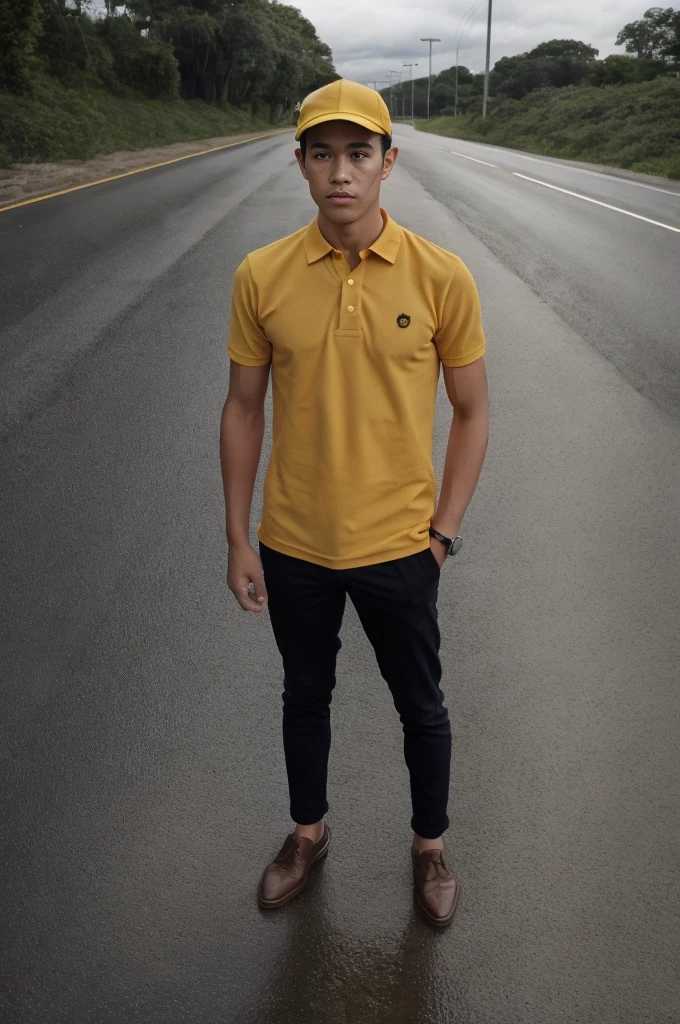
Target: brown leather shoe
{"points": [[287, 875], [435, 886]]}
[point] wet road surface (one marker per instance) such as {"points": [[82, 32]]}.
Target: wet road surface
{"points": [[143, 780]]}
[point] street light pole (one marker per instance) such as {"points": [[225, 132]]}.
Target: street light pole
{"points": [[429, 40], [411, 66], [488, 61]]}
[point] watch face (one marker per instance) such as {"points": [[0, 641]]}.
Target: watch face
{"points": [[456, 545]]}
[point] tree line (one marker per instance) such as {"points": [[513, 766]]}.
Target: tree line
{"points": [[254, 53], [652, 47]]}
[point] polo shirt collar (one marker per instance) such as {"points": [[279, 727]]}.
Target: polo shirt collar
{"points": [[388, 241], [386, 244]]}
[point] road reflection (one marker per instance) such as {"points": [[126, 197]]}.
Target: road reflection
{"points": [[336, 978]]}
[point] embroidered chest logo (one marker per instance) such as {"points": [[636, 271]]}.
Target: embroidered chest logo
{"points": [[403, 320]]}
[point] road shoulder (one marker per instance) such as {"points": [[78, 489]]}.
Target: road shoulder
{"points": [[610, 169], [29, 181]]}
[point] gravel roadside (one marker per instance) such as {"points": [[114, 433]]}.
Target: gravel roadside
{"points": [[28, 181]]}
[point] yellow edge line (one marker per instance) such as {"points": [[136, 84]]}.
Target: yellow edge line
{"points": [[137, 170]]}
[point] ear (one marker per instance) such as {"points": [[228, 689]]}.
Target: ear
{"points": [[389, 162], [301, 163]]}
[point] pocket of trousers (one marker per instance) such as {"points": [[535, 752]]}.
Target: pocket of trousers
{"points": [[433, 561], [418, 574]]}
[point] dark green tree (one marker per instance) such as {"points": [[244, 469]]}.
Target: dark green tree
{"points": [[619, 69], [656, 36], [241, 51], [572, 49], [144, 63], [70, 47], [20, 30], [557, 63], [260, 54]]}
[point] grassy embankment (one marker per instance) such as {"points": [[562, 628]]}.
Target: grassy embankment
{"points": [[631, 126], [62, 124]]}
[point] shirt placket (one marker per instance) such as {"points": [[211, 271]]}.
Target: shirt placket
{"points": [[350, 293]]}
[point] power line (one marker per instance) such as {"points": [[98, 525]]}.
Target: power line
{"points": [[411, 67], [430, 40], [464, 25], [391, 73], [488, 60]]}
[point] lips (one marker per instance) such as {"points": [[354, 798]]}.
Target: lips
{"points": [[340, 198]]}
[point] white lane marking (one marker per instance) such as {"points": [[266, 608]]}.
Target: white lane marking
{"points": [[621, 181], [474, 159], [597, 202], [582, 170]]}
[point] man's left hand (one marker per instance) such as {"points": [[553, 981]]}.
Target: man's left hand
{"points": [[438, 550]]}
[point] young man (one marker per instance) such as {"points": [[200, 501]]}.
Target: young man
{"points": [[353, 315]]}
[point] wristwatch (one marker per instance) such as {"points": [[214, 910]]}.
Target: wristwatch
{"points": [[452, 545]]}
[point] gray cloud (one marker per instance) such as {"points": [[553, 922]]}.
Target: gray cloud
{"points": [[370, 39]]}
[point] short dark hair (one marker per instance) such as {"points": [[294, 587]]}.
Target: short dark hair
{"points": [[385, 141]]}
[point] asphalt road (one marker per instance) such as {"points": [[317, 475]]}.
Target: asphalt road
{"points": [[143, 782]]}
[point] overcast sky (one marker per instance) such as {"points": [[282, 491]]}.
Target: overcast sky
{"points": [[371, 37]]}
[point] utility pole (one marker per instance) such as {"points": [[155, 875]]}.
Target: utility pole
{"points": [[429, 40], [411, 66], [488, 61]]}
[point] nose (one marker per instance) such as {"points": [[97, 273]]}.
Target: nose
{"points": [[341, 172]]}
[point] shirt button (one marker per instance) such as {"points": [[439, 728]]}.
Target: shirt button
{"points": [[351, 309], [351, 281]]}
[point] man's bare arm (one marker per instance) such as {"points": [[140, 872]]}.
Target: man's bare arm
{"points": [[466, 387], [241, 434]]}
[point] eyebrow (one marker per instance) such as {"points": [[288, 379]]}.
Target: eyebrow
{"points": [[350, 145]]}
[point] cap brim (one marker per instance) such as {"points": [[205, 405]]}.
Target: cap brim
{"points": [[339, 115]]}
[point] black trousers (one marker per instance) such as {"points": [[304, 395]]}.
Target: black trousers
{"points": [[397, 604]]}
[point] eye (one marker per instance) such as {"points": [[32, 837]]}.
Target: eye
{"points": [[360, 154]]}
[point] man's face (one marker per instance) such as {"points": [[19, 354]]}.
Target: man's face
{"points": [[344, 167]]}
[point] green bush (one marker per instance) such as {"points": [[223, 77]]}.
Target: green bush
{"points": [[635, 126], [56, 123]]}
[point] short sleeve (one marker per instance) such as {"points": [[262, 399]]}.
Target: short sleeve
{"points": [[248, 344], [460, 337]]}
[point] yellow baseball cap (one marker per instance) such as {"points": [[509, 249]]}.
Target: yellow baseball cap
{"points": [[345, 101]]}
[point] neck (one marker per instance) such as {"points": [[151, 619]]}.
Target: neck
{"points": [[353, 238]]}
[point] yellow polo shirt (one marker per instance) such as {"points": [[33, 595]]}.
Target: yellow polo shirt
{"points": [[355, 362]]}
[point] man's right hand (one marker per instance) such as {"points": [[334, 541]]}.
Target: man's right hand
{"points": [[244, 574]]}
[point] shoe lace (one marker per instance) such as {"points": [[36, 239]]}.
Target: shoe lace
{"points": [[433, 859], [290, 848]]}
